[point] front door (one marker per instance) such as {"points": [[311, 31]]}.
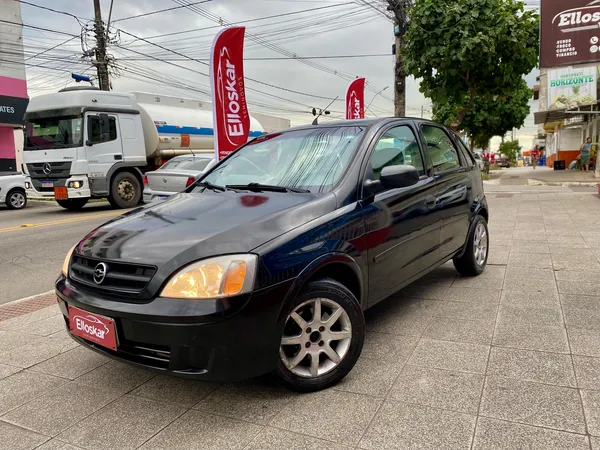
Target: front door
{"points": [[455, 188], [102, 154], [403, 233]]}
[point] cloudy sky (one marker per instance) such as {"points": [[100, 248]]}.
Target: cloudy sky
{"points": [[285, 87]]}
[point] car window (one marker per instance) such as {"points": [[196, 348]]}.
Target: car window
{"points": [[96, 131], [440, 148], [466, 154], [198, 164], [397, 146], [176, 163]]}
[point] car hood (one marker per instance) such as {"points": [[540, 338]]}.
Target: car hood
{"points": [[192, 226]]}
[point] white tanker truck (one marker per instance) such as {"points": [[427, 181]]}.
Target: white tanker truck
{"points": [[82, 143]]}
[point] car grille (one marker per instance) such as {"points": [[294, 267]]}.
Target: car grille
{"points": [[119, 276], [57, 170]]}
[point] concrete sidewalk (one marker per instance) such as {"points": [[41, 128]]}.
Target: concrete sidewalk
{"points": [[507, 360], [543, 176]]}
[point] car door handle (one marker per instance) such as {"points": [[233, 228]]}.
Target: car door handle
{"points": [[431, 201]]}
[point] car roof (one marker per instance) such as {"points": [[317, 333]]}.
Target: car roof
{"points": [[365, 123]]}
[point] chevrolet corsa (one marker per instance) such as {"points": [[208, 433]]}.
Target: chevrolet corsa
{"points": [[267, 263]]}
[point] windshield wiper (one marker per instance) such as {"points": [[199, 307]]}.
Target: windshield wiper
{"points": [[267, 187], [212, 187]]}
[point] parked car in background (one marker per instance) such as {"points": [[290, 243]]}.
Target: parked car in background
{"points": [[482, 162], [12, 190], [267, 262], [174, 176], [502, 161]]}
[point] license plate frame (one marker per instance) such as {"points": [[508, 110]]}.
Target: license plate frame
{"points": [[98, 329], [61, 193], [48, 184], [162, 197]]}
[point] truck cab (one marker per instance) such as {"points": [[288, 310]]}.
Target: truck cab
{"points": [[78, 142]]}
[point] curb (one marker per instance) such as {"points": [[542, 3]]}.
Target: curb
{"points": [[26, 305]]}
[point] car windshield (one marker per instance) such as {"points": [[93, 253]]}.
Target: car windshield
{"points": [[53, 132], [312, 159]]}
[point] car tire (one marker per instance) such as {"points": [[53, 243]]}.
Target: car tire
{"points": [[474, 258], [73, 204], [125, 190], [16, 199], [335, 357]]}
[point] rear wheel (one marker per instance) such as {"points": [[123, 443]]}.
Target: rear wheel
{"points": [[322, 338], [125, 190], [73, 204], [474, 259], [16, 199]]}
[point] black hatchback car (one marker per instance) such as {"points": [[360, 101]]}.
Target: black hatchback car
{"points": [[268, 261]]}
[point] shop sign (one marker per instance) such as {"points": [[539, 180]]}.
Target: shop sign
{"points": [[570, 32], [572, 87], [12, 110]]}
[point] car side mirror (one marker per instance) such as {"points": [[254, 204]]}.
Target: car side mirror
{"points": [[400, 176]]}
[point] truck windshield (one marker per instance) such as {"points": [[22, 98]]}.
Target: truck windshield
{"points": [[312, 159], [53, 132]]}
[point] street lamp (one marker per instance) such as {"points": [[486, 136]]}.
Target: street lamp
{"points": [[375, 96]]}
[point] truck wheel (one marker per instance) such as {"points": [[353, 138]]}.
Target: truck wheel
{"points": [[125, 190], [74, 204], [16, 199]]}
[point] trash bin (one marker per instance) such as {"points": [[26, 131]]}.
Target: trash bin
{"points": [[559, 165]]}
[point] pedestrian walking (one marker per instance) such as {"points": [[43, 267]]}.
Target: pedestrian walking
{"points": [[584, 155], [535, 156]]}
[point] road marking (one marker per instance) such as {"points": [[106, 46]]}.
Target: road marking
{"points": [[62, 221]]}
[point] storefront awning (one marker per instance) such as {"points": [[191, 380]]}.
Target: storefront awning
{"points": [[560, 115]]}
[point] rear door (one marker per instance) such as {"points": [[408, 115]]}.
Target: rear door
{"points": [[455, 187], [403, 234]]}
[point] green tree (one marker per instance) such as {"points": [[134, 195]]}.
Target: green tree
{"points": [[470, 52], [491, 115], [510, 149]]}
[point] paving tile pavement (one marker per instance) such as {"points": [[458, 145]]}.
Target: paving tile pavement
{"points": [[510, 359]]}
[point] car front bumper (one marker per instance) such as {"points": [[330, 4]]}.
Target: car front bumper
{"points": [[213, 340]]}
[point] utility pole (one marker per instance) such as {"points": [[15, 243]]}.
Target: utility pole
{"points": [[101, 62], [400, 10]]}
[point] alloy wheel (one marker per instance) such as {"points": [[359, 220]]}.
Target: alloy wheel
{"points": [[316, 338], [17, 200], [480, 244]]}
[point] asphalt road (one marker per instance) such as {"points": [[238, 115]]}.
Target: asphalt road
{"points": [[31, 256]]}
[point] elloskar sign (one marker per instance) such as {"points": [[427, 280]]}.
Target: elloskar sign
{"points": [[230, 113], [570, 32], [355, 99]]}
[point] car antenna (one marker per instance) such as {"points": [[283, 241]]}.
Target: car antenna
{"points": [[322, 111]]}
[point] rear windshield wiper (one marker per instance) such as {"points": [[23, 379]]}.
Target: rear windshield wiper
{"points": [[267, 187], [212, 187]]}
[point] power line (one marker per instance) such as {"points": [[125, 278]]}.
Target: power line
{"points": [[38, 28], [156, 12], [77, 18], [249, 20], [284, 58]]}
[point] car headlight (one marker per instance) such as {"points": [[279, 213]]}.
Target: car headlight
{"points": [[65, 267], [218, 277]]}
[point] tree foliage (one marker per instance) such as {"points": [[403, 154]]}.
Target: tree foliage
{"points": [[510, 149], [491, 115], [472, 54]]}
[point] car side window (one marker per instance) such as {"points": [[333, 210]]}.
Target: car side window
{"points": [[397, 146], [96, 131], [466, 154], [441, 150]]}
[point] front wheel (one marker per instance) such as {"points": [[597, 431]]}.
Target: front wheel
{"points": [[322, 338], [16, 199], [125, 190], [474, 259], [73, 204]]}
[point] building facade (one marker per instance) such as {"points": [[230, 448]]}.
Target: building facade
{"points": [[13, 85], [569, 74]]}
